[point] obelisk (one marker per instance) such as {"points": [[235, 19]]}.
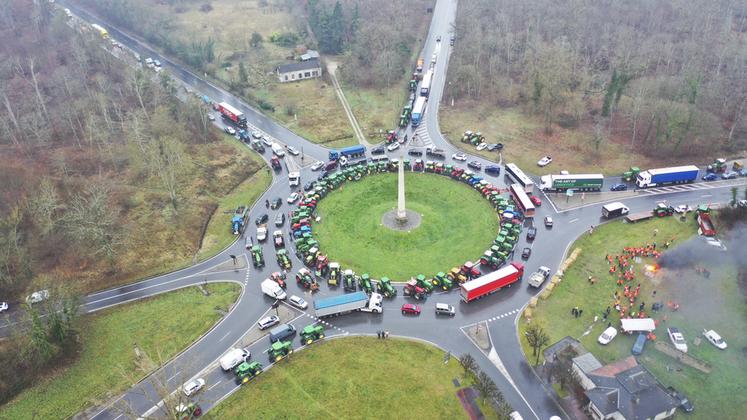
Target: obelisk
{"points": [[401, 212]]}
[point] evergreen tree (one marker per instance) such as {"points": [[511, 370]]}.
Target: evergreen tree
{"points": [[243, 75]]}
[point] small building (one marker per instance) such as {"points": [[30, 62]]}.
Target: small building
{"points": [[301, 70], [310, 55], [583, 365]]}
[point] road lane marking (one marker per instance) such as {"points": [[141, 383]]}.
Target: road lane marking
{"points": [[173, 376], [221, 339], [573, 220], [706, 195], [212, 386]]}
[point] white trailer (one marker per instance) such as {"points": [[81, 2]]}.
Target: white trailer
{"points": [[350, 302]]}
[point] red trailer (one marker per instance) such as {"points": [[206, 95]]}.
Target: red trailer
{"points": [[231, 114], [492, 282], [706, 224]]}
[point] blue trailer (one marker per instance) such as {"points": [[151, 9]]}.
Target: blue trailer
{"points": [[666, 176], [350, 152], [349, 302], [418, 110]]}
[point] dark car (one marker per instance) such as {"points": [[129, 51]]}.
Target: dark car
{"points": [[493, 170], [308, 186], [475, 165], [618, 187], [276, 203], [535, 200], [379, 150], [710, 177], [685, 403], [451, 41], [531, 233], [332, 164], [415, 152], [494, 146], [526, 253], [262, 219], [280, 219]]}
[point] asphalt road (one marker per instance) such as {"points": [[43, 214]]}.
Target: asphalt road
{"points": [[518, 383]]}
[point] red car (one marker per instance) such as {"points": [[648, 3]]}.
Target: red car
{"points": [[409, 308], [535, 200]]}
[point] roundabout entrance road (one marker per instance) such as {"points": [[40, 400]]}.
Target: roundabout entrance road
{"points": [[506, 365]]}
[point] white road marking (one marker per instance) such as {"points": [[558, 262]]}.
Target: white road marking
{"points": [[574, 220], [706, 195], [173, 376], [221, 339], [214, 385]]}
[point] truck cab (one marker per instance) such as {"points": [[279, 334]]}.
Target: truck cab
{"points": [[294, 178]]}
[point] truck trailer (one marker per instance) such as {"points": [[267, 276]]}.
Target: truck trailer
{"points": [[492, 282], [418, 110], [350, 302], [583, 182], [425, 85], [349, 152], [666, 176], [231, 114], [615, 209]]}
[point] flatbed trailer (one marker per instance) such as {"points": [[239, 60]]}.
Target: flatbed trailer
{"points": [[637, 217]]}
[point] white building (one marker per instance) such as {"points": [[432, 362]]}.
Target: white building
{"points": [[301, 70]]}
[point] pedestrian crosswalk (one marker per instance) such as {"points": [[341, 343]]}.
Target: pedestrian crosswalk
{"points": [[421, 137], [326, 324], [693, 187]]}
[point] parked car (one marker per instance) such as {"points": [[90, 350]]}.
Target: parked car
{"points": [[415, 152], [526, 253], [268, 322], [262, 219], [378, 150], [729, 175], [280, 219], [607, 335], [248, 243], [392, 147], [265, 140], [298, 302], [292, 198], [677, 339], [3, 307], [684, 402], [438, 38], [459, 156], [258, 135], [710, 177], [683, 208], [531, 233], [493, 170], [229, 130], [639, 345], [193, 386], [544, 161], [475, 165], [445, 309], [292, 150], [276, 203], [261, 233], [317, 166], [38, 297], [715, 339], [410, 308], [618, 187], [548, 221], [495, 146], [482, 146], [211, 117], [535, 200]]}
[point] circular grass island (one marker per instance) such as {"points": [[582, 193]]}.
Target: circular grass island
{"points": [[456, 225]]}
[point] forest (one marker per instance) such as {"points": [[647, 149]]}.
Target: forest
{"points": [[665, 79]]}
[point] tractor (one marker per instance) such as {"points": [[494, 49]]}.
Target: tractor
{"points": [[279, 278], [662, 210], [275, 162], [418, 166], [412, 289], [413, 85], [491, 261], [258, 260], [349, 280], [238, 222], [246, 371], [391, 137], [304, 278], [310, 257], [365, 283], [469, 270], [455, 275], [334, 274], [384, 286], [279, 350], [277, 239], [718, 166], [424, 283], [322, 265], [312, 333], [283, 261], [440, 280], [631, 174]]}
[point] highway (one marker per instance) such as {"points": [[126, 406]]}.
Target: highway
{"points": [[511, 373]]}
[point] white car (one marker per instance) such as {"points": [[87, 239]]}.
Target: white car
{"points": [[298, 302], [3, 306], [193, 386], [715, 339], [293, 197], [265, 140], [607, 335], [683, 208], [268, 322], [292, 150], [677, 339], [37, 297], [248, 243], [261, 233], [211, 117], [230, 130], [548, 221], [392, 147], [482, 146], [459, 156], [544, 161], [317, 166], [716, 244]]}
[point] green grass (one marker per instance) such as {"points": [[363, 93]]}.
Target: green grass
{"points": [[376, 109], [457, 225], [338, 379], [107, 364], [714, 303]]}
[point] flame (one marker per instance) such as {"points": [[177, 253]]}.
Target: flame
{"points": [[652, 267]]}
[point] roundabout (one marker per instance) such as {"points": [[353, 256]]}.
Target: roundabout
{"points": [[456, 225]]}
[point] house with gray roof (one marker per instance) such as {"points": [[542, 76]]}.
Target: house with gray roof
{"points": [[299, 70]]}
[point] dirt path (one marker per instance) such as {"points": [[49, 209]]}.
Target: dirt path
{"points": [[331, 70]]}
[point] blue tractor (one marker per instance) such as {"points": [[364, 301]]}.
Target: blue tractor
{"points": [[238, 222]]}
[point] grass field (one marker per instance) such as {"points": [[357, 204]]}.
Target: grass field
{"points": [[457, 225], [107, 364], [713, 303], [336, 379]]}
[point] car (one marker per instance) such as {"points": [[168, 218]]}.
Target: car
{"points": [[268, 322], [710, 177], [715, 243], [683, 208], [332, 164], [729, 175], [37, 297], [279, 219], [742, 204], [514, 415], [309, 186], [682, 400], [292, 150], [710, 335], [69, 14], [451, 40], [618, 187], [292, 198], [211, 117], [3, 306], [261, 233], [415, 152], [410, 308], [459, 156], [157, 63], [743, 172], [230, 130], [535, 200], [392, 147], [262, 219], [544, 161], [677, 339], [438, 38], [317, 166], [445, 309], [248, 243], [378, 150], [475, 165], [607, 335], [526, 253], [298, 302], [494, 146], [639, 345], [276, 203], [265, 140], [258, 135], [548, 221], [193, 386], [482, 146], [531, 233], [493, 170]]}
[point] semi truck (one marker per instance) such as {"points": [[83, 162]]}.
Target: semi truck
{"points": [[418, 110], [350, 302], [349, 152], [492, 282], [666, 176], [425, 85], [615, 209], [272, 289], [583, 182], [231, 114]]}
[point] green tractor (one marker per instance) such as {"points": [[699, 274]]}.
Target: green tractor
{"points": [[246, 371], [631, 174], [310, 256], [384, 286], [662, 210], [413, 85], [258, 260], [365, 283], [440, 280], [718, 166], [349, 280], [279, 350], [334, 274], [312, 333], [424, 283], [283, 261], [304, 278]]}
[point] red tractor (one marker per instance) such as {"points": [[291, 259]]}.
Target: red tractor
{"points": [[275, 162], [470, 270], [279, 278], [322, 265], [412, 289], [391, 137]]}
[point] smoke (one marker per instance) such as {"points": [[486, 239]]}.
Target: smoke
{"points": [[697, 252]]}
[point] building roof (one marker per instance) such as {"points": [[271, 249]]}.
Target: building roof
{"points": [[309, 55], [613, 369], [604, 399], [587, 362], [299, 66], [562, 344]]}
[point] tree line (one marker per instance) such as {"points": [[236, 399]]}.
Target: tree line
{"points": [[665, 78]]}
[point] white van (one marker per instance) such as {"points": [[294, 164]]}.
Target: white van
{"points": [[294, 178], [233, 358], [278, 150]]}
